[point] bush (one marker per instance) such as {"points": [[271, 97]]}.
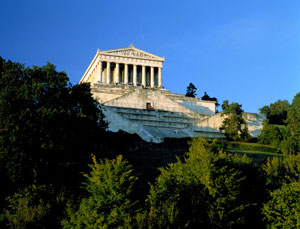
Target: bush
{"points": [[209, 189], [108, 204], [28, 208], [283, 209], [278, 171], [272, 135]]}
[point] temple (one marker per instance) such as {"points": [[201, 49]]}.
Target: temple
{"points": [[125, 66], [127, 83]]}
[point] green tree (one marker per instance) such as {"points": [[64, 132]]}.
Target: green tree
{"points": [[207, 189], [191, 90], [234, 125], [276, 113], [293, 120], [46, 126], [28, 208], [283, 184], [281, 170], [272, 135], [108, 205], [283, 209]]}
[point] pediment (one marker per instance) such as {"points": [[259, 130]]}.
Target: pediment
{"points": [[132, 52]]}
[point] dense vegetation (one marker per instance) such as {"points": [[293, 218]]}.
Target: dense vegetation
{"points": [[61, 169], [281, 128]]}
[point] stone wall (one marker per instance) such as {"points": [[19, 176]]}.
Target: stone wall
{"points": [[213, 123], [156, 114]]}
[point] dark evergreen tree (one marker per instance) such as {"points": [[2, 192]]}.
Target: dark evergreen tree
{"points": [[191, 90]]}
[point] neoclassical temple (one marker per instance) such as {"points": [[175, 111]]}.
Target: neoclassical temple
{"points": [[129, 66], [127, 83]]}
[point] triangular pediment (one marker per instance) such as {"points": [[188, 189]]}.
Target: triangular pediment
{"points": [[132, 52]]}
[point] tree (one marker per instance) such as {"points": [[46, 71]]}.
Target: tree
{"points": [[234, 125], [276, 113], [278, 171], [28, 208], [47, 126], [293, 120], [282, 182], [191, 90], [283, 209], [272, 135], [208, 189], [108, 204]]}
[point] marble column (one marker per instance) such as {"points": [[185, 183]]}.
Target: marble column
{"points": [[159, 77], [144, 76], [117, 74], [108, 73], [134, 75], [100, 72], [152, 77], [126, 74]]}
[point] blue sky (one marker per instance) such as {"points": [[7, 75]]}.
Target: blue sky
{"points": [[243, 51]]}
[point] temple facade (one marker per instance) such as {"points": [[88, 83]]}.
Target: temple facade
{"points": [[127, 83], [125, 66]]}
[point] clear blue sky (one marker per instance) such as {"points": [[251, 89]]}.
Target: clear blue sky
{"points": [[244, 51]]}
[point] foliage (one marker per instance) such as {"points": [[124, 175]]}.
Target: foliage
{"points": [[108, 204], [46, 125], [281, 170], [286, 139], [272, 135], [283, 183], [276, 113], [35, 207], [283, 209], [27, 208], [191, 90], [205, 190], [293, 120], [234, 125]]}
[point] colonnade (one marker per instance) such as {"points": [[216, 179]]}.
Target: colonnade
{"points": [[136, 75]]}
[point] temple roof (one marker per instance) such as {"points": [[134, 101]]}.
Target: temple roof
{"points": [[131, 51]]}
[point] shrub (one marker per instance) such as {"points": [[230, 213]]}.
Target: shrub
{"points": [[207, 189], [27, 208], [108, 205], [283, 209]]}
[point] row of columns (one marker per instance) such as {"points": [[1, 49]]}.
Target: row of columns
{"points": [[117, 68]]}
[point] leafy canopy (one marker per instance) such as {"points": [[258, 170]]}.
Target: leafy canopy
{"points": [[46, 125], [202, 191], [234, 125], [108, 204], [276, 113]]}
